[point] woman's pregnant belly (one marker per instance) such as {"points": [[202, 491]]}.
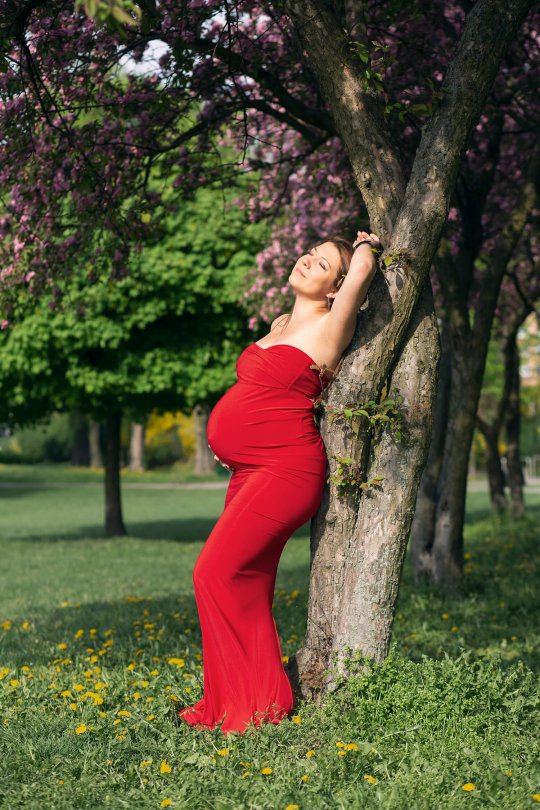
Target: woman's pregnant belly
{"points": [[254, 425]]}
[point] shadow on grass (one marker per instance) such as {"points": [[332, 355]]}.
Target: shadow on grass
{"points": [[194, 530]]}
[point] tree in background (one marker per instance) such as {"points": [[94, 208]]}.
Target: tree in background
{"points": [[163, 337]]}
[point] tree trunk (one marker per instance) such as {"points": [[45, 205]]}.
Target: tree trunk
{"points": [[204, 458], [136, 447], [114, 523], [423, 525], [494, 468], [358, 539], [513, 427], [80, 455], [96, 456]]}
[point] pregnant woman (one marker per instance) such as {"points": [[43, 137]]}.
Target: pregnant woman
{"points": [[264, 431]]}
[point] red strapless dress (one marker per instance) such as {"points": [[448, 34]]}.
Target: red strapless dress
{"points": [[264, 428]]}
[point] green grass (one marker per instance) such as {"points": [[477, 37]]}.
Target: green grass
{"points": [[180, 472], [457, 701]]}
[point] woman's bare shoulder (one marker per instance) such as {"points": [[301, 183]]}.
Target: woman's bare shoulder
{"points": [[279, 319]]}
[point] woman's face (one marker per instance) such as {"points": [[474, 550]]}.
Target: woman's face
{"points": [[314, 272]]}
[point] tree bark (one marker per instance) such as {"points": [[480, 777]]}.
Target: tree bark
{"points": [[114, 523], [136, 447], [494, 469], [513, 428], [423, 525], [204, 458], [80, 456], [96, 456]]}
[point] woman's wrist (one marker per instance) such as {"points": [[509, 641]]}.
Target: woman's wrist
{"points": [[373, 247]]}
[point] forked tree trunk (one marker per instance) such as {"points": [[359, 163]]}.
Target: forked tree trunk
{"points": [[358, 543], [96, 456], [136, 447], [114, 523], [204, 462], [358, 539]]}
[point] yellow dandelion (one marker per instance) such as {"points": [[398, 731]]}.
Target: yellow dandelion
{"points": [[3, 672], [103, 714], [123, 713], [62, 646], [79, 687], [151, 717], [296, 719], [340, 744], [25, 625], [351, 747], [165, 767], [179, 662], [14, 682], [285, 659], [145, 762], [266, 770], [310, 754], [292, 807], [223, 752], [509, 772], [246, 773], [144, 684], [536, 797], [73, 706], [244, 763], [369, 778], [81, 729], [79, 634], [304, 778], [131, 666], [469, 786], [342, 753], [454, 628], [155, 672], [136, 695], [115, 722], [25, 669], [166, 803], [444, 616], [65, 693]]}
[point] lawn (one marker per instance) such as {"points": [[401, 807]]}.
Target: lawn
{"points": [[99, 637]]}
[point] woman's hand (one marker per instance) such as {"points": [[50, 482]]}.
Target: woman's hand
{"points": [[231, 469], [365, 250]]}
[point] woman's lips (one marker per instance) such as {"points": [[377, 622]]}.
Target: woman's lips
{"points": [[302, 274]]}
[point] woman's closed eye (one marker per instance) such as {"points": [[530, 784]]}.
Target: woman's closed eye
{"points": [[312, 254]]}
